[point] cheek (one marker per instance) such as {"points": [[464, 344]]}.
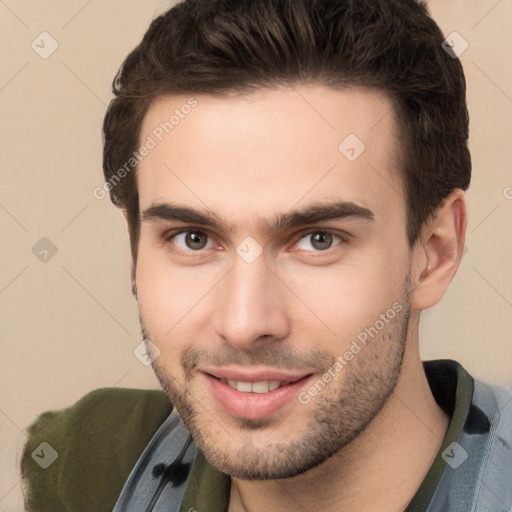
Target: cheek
{"points": [[165, 294], [176, 302], [354, 297]]}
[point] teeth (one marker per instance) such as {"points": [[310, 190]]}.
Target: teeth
{"points": [[259, 387], [246, 387], [273, 384], [255, 387]]}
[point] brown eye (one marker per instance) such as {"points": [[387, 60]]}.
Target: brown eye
{"points": [[191, 240], [318, 240], [196, 240]]}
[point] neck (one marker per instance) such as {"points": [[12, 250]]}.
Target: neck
{"points": [[379, 471]]}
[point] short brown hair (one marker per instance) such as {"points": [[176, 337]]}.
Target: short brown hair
{"points": [[222, 47]]}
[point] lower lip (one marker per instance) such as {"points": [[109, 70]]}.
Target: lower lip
{"points": [[254, 405]]}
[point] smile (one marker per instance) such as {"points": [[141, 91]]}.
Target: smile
{"points": [[257, 397]]}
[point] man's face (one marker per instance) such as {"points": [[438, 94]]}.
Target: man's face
{"points": [[252, 292]]}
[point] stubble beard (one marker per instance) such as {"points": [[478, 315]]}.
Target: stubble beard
{"points": [[337, 415]]}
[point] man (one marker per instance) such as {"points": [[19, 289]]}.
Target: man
{"points": [[292, 175]]}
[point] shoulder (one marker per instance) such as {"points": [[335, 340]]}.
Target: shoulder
{"points": [[495, 487], [495, 400], [92, 446]]}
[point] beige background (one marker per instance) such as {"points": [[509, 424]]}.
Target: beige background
{"points": [[70, 325]]}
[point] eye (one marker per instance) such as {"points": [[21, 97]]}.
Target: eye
{"points": [[318, 240], [191, 240]]}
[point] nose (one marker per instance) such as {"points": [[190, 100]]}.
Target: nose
{"points": [[252, 308]]}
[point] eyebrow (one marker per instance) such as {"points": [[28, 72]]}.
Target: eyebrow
{"points": [[314, 213]]}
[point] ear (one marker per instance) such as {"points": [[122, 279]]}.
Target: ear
{"points": [[438, 252], [132, 263]]}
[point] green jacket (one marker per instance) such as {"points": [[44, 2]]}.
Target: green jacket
{"points": [[98, 441]]}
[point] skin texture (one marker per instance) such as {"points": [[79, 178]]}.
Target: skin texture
{"points": [[303, 301]]}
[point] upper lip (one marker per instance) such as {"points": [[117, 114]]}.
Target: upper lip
{"points": [[254, 374]]}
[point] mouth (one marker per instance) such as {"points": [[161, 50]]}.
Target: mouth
{"points": [[254, 394]]}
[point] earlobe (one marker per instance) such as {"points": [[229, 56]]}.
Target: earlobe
{"points": [[439, 251]]}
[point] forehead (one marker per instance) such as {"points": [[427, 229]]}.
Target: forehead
{"points": [[267, 151]]}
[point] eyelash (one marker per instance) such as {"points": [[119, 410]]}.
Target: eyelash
{"points": [[299, 236]]}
